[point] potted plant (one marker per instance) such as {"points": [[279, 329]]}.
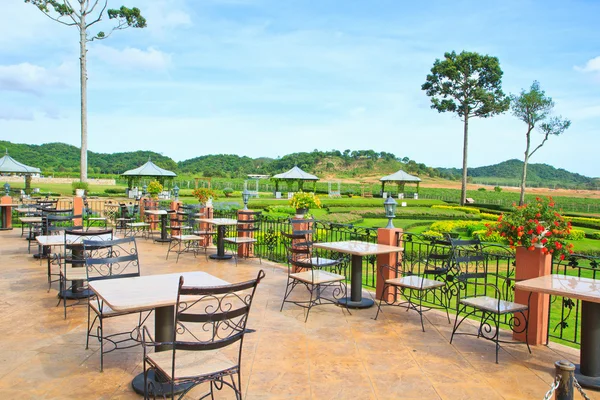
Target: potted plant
{"points": [[79, 188], [204, 194], [154, 188], [303, 201], [535, 225], [227, 192]]}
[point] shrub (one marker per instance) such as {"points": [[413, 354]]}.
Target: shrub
{"points": [[584, 222], [154, 188], [79, 185], [227, 192], [342, 218], [497, 189], [114, 191], [433, 235], [575, 234], [593, 235], [481, 189], [493, 237], [305, 200], [203, 194], [489, 217], [468, 210]]}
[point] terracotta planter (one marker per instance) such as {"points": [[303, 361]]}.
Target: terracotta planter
{"points": [[301, 213], [531, 264]]}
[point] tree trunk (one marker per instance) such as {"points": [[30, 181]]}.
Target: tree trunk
{"points": [[83, 79], [525, 161], [463, 190]]}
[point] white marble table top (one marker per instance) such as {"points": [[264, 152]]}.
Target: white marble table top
{"points": [[143, 292], [59, 240], [358, 248], [30, 220], [158, 212], [218, 221], [563, 285], [9, 205]]}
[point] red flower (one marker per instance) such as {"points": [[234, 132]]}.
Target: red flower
{"points": [[548, 233], [529, 232], [538, 215], [539, 229], [556, 223], [562, 256], [544, 240], [558, 245], [531, 248]]}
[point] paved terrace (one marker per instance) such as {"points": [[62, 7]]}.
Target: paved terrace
{"points": [[333, 356]]}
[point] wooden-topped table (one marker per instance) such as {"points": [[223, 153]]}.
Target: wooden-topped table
{"points": [[588, 291], [148, 292], [357, 249], [6, 216], [222, 224], [163, 223]]}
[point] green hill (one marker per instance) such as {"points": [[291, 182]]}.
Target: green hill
{"points": [[56, 158]]}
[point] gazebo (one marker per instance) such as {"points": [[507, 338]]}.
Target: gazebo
{"points": [[148, 170], [294, 175], [9, 165], [401, 178]]}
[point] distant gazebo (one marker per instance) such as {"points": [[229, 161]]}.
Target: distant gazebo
{"points": [[401, 178], [9, 165], [149, 170], [294, 175]]}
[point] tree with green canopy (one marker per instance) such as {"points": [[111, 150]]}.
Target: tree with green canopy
{"points": [[87, 14], [534, 108], [469, 84]]}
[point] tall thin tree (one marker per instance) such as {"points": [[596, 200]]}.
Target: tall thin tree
{"points": [[84, 17], [469, 84], [534, 108]]}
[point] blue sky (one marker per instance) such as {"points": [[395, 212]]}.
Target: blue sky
{"points": [[270, 77]]}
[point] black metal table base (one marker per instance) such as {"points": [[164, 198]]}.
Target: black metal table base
{"points": [[161, 240], [362, 303], [6, 229], [590, 382], [75, 295], [219, 257], [160, 387]]}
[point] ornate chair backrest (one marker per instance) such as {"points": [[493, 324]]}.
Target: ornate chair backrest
{"points": [[468, 256], [57, 221], [211, 318], [112, 258], [250, 224], [74, 252]]}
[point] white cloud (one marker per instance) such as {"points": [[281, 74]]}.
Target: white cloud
{"points": [[133, 58], [26, 77], [592, 65]]}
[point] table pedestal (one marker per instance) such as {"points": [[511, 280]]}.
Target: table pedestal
{"points": [[76, 291], [164, 323], [588, 372], [220, 245], [356, 300], [163, 230]]}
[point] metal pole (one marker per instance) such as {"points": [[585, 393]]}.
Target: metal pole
{"points": [[566, 371]]}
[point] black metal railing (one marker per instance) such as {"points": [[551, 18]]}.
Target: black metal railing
{"points": [[565, 313]]}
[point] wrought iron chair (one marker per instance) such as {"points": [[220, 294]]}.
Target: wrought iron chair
{"points": [[484, 296], [309, 270], [182, 239], [92, 218], [419, 281], [246, 228], [111, 259], [209, 321], [56, 222], [72, 265]]}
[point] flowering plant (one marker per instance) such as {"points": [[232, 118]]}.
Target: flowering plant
{"points": [[536, 224], [203, 194], [305, 200], [154, 188]]}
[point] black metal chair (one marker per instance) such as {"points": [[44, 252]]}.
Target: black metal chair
{"points": [[182, 240], [111, 259], [246, 229], [208, 322], [419, 281], [484, 296], [92, 218], [72, 265], [55, 222], [310, 270]]}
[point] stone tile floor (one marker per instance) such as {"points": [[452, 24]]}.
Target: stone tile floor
{"points": [[335, 355]]}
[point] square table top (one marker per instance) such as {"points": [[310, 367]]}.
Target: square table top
{"points": [[358, 248], [218, 221], [9, 205], [151, 291], [563, 285], [157, 212], [30, 220], [59, 240], [25, 210]]}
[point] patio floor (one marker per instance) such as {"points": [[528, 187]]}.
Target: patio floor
{"points": [[333, 356]]}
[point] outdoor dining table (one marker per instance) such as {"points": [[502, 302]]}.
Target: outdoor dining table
{"points": [[588, 291], [5, 216], [163, 223], [222, 224], [157, 292], [357, 249], [76, 291]]}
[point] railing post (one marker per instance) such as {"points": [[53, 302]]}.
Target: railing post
{"points": [[391, 238], [566, 371]]}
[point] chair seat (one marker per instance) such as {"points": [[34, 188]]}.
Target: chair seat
{"points": [[415, 282], [97, 218], [490, 304], [189, 364], [138, 224], [74, 273], [240, 240], [186, 238], [180, 227], [317, 276]]}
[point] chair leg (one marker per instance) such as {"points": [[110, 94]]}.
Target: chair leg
{"points": [[89, 328], [310, 304], [101, 337]]}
